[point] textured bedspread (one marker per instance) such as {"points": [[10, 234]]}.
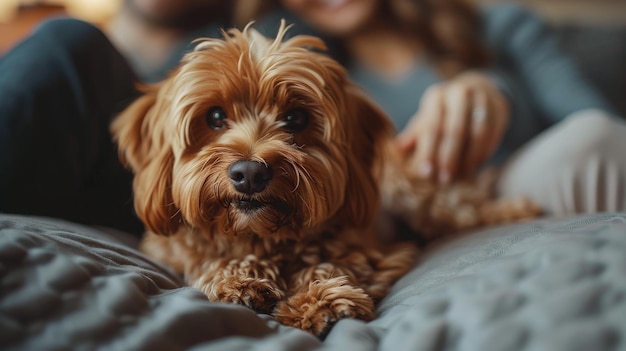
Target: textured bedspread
{"points": [[543, 285]]}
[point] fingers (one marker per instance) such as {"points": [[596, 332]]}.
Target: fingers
{"points": [[406, 139], [489, 119], [500, 120], [429, 130], [459, 125], [455, 133], [477, 151]]}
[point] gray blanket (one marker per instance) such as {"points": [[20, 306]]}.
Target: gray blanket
{"points": [[541, 285]]}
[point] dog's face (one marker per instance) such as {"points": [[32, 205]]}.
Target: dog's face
{"points": [[252, 136]]}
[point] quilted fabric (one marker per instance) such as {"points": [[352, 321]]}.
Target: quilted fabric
{"points": [[542, 285], [67, 287]]}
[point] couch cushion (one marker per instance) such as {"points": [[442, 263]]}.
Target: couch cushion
{"points": [[540, 285]]}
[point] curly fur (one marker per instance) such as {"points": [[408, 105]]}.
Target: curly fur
{"points": [[308, 254]]}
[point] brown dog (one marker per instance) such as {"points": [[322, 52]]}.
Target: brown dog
{"points": [[257, 172], [254, 175]]}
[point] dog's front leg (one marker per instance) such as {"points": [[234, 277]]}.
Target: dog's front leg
{"points": [[321, 295], [249, 281]]}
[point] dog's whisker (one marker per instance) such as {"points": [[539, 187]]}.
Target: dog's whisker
{"points": [[308, 206], [222, 200], [206, 162], [300, 173], [175, 214], [297, 183], [263, 243]]}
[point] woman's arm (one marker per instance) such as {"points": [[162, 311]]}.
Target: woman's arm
{"points": [[525, 42]]}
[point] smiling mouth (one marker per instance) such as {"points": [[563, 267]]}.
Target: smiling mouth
{"points": [[248, 205], [252, 205]]}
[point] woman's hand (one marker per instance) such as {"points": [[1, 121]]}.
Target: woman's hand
{"points": [[459, 125]]}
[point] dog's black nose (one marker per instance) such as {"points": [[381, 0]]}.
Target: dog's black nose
{"points": [[249, 176]]}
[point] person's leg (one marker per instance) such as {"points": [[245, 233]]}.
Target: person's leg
{"points": [[59, 90], [577, 166]]}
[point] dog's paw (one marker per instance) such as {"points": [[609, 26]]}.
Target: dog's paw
{"points": [[509, 210], [325, 302], [260, 295], [250, 282]]}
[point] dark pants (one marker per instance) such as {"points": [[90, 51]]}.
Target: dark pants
{"points": [[59, 90]]}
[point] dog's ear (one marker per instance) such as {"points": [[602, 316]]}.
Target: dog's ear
{"points": [[143, 146], [370, 132]]}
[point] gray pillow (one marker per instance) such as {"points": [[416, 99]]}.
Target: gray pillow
{"points": [[540, 285]]}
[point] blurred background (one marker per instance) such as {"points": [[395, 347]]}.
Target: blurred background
{"points": [[17, 17]]}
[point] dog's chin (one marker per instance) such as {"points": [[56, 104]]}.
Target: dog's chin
{"points": [[263, 218], [254, 206], [249, 206]]}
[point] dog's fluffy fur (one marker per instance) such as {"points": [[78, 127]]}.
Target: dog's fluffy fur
{"points": [[300, 246]]}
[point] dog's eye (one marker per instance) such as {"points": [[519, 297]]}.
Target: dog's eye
{"points": [[216, 118], [296, 119]]}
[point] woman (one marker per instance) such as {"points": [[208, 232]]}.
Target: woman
{"points": [[466, 86]]}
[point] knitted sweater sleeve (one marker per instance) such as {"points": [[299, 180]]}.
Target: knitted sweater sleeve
{"points": [[529, 47]]}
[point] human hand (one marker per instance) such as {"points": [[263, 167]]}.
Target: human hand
{"points": [[459, 125]]}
